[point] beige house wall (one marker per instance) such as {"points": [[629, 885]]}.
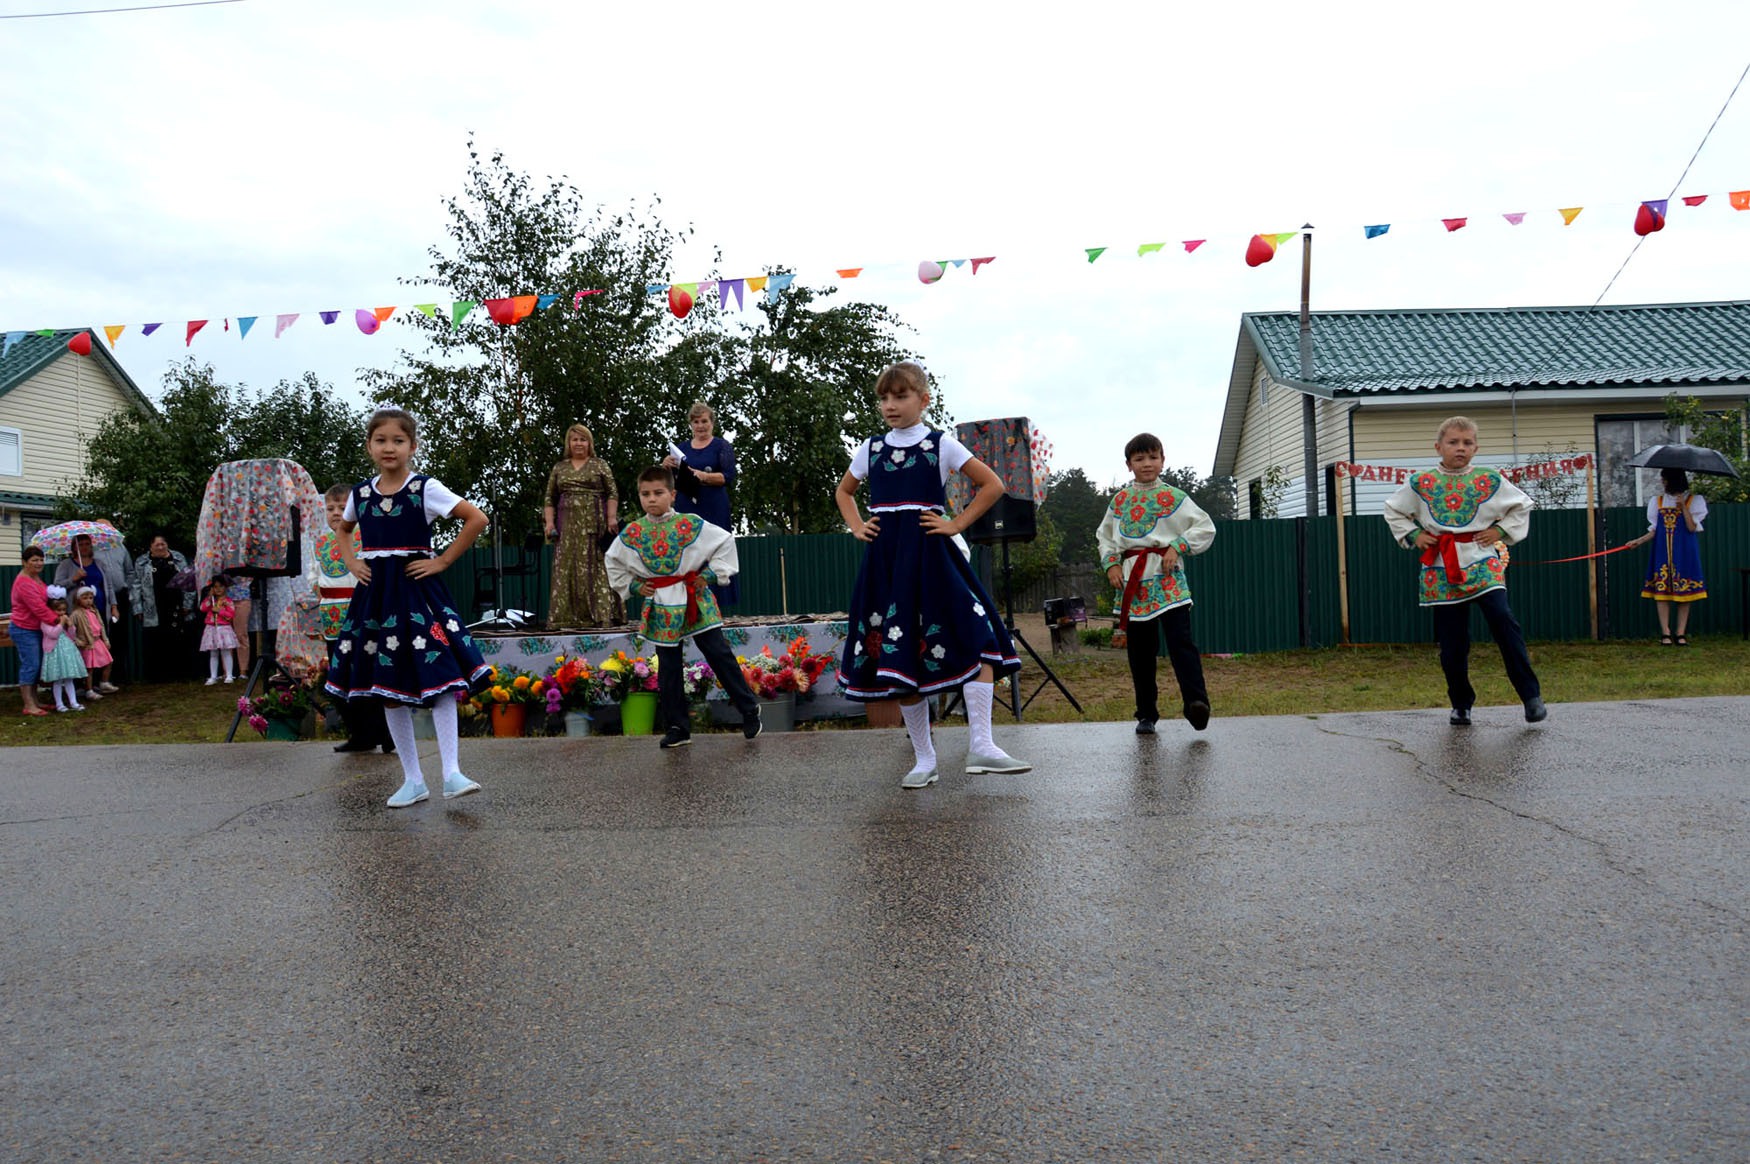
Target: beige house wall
{"points": [[1391, 434], [1271, 435], [56, 412]]}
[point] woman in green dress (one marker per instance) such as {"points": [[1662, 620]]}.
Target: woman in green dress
{"points": [[583, 509]]}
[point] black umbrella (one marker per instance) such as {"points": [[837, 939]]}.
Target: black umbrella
{"points": [[1691, 458]]}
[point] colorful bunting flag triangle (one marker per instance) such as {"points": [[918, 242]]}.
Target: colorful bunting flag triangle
{"points": [[756, 283], [849, 272], [149, 328], [114, 332], [426, 309], [1192, 244], [1148, 249], [1515, 217], [194, 325], [282, 322], [1094, 252], [977, 263], [1694, 199], [459, 311], [1375, 231], [1569, 214], [244, 323], [1740, 199], [1453, 224], [329, 316]]}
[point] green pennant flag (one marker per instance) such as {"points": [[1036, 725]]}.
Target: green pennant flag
{"points": [[1095, 252], [1148, 249], [1279, 239], [460, 309], [45, 331], [426, 309]]}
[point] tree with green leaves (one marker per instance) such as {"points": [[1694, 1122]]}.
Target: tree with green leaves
{"points": [[802, 400], [149, 473], [1075, 506], [1720, 429], [495, 400]]}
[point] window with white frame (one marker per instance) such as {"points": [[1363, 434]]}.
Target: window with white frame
{"points": [[11, 453]]}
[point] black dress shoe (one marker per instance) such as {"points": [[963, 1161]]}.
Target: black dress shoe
{"points": [[354, 746], [1535, 711], [1197, 714], [675, 738], [1460, 717], [388, 747], [1145, 727]]}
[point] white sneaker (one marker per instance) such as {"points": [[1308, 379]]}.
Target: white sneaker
{"points": [[77, 707], [1001, 763], [919, 778], [456, 784], [228, 679], [108, 688], [410, 792], [93, 693], [211, 682]]}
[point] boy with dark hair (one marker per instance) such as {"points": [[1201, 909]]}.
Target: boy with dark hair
{"points": [[1148, 531], [673, 560]]}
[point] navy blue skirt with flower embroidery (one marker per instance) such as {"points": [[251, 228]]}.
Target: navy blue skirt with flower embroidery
{"points": [[403, 641], [920, 621]]}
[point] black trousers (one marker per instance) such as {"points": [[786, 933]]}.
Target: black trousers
{"points": [[1143, 646], [673, 698], [1452, 630], [364, 721]]}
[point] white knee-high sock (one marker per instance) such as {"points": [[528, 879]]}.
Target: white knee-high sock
{"points": [[212, 664], [979, 697], [917, 726], [399, 717], [58, 686], [443, 717], [72, 692]]}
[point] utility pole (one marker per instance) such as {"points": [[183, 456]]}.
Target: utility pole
{"points": [[1308, 417]]}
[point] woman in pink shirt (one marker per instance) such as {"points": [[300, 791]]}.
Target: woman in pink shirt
{"points": [[30, 612]]}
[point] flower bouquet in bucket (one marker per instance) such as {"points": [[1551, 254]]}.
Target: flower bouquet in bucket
{"points": [[795, 672], [285, 711]]}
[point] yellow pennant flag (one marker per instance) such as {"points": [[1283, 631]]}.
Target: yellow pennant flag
{"points": [[756, 283], [114, 331], [1570, 214]]}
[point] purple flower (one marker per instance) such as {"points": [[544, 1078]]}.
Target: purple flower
{"points": [[258, 723], [243, 704], [553, 699]]}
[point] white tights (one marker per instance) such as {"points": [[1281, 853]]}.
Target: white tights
{"points": [[65, 696], [399, 717], [213, 663]]}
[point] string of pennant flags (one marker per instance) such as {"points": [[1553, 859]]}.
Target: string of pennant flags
{"points": [[1649, 218]]}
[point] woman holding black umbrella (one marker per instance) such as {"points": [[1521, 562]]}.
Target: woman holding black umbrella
{"points": [[1674, 572]]}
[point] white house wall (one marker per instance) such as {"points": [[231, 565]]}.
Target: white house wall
{"points": [[1271, 435]]}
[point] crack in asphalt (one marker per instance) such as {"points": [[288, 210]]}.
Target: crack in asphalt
{"points": [[1428, 772]]}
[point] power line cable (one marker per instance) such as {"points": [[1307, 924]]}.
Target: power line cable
{"points": [[107, 11]]}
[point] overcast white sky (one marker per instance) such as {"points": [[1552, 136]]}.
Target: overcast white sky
{"points": [[291, 155]]}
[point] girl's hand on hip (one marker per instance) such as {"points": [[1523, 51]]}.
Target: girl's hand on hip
{"points": [[868, 530], [426, 567], [935, 523]]}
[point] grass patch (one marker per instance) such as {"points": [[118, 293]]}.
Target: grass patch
{"points": [[1384, 678]]}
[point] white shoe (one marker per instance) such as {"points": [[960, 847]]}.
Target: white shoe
{"points": [[228, 679], [108, 688], [93, 693], [410, 792], [1001, 763], [919, 778], [77, 707], [456, 784], [213, 681]]}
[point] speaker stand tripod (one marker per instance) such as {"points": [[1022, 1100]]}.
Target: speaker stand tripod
{"points": [[1016, 704], [264, 659], [500, 617]]}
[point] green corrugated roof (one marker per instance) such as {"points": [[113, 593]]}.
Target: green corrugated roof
{"points": [[27, 500], [30, 353], [1488, 348]]}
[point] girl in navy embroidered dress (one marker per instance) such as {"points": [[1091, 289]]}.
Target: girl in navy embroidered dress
{"points": [[402, 640], [920, 622]]}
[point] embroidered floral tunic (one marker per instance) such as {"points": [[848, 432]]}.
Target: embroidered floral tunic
{"points": [[402, 639], [921, 622], [336, 582], [1147, 517], [688, 556], [1455, 507]]}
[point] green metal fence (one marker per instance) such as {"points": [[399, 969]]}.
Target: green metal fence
{"points": [[1264, 586]]}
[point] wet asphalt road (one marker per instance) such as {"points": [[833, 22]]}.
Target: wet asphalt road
{"points": [[1356, 937]]}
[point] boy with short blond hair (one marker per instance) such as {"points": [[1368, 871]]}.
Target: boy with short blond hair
{"points": [[1148, 531], [1460, 517]]}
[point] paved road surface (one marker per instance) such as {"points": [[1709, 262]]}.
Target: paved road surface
{"points": [[1352, 937]]}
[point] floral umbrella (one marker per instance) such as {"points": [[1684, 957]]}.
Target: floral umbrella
{"points": [[56, 541]]}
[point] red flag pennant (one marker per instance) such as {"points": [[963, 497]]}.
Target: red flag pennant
{"points": [[977, 263], [511, 311], [1453, 224], [194, 325], [1694, 199]]}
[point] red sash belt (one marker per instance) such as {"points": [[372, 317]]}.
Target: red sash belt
{"points": [[1445, 551], [693, 584], [332, 593], [1133, 582]]}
